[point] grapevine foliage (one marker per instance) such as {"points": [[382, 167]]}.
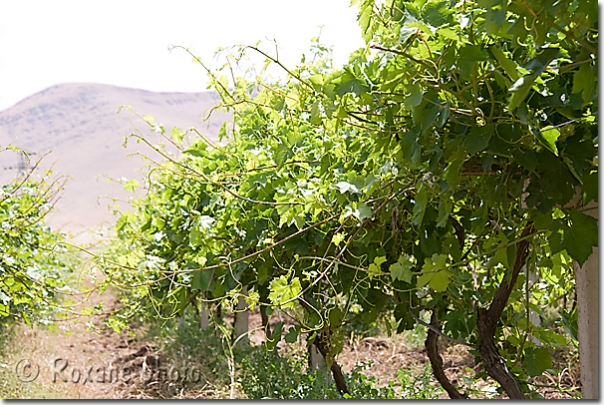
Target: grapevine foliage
{"points": [[34, 264], [456, 149]]}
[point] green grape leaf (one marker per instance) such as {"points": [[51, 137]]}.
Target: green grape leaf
{"points": [[364, 212], [478, 138], [434, 273], [345, 187], [202, 280], [315, 114], [292, 335], [441, 280], [415, 97], [26, 318], [437, 13], [401, 270], [282, 153], [198, 149], [508, 66], [494, 20], [338, 238], [401, 314], [583, 82], [520, 90], [335, 317], [365, 20], [252, 299], [131, 185], [580, 236], [548, 137], [275, 337], [540, 62], [444, 209], [468, 56], [177, 135], [349, 83], [282, 291], [375, 268], [537, 360], [419, 208]]}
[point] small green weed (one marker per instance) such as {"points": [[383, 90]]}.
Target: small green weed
{"points": [[418, 387], [267, 375]]}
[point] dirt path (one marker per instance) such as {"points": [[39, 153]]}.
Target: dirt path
{"points": [[76, 363], [71, 362]]}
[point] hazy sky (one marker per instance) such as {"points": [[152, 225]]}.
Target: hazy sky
{"points": [[125, 42]]}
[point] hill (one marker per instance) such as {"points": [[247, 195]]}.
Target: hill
{"points": [[80, 126]]}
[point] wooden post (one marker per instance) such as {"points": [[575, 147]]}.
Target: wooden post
{"points": [[241, 323], [204, 316], [316, 361], [530, 275], [533, 316], [587, 282]]}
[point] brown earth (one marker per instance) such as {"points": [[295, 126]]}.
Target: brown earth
{"points": [[68, 362], [100, 363]]}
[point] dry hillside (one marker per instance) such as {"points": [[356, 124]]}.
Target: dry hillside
{"points": [[81, 126]]}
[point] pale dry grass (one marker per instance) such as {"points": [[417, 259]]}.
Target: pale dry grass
{"points": [[103, 348], [70, 359]]}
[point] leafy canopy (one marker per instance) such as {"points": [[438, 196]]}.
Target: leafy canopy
{"points": [[403, 182]]}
